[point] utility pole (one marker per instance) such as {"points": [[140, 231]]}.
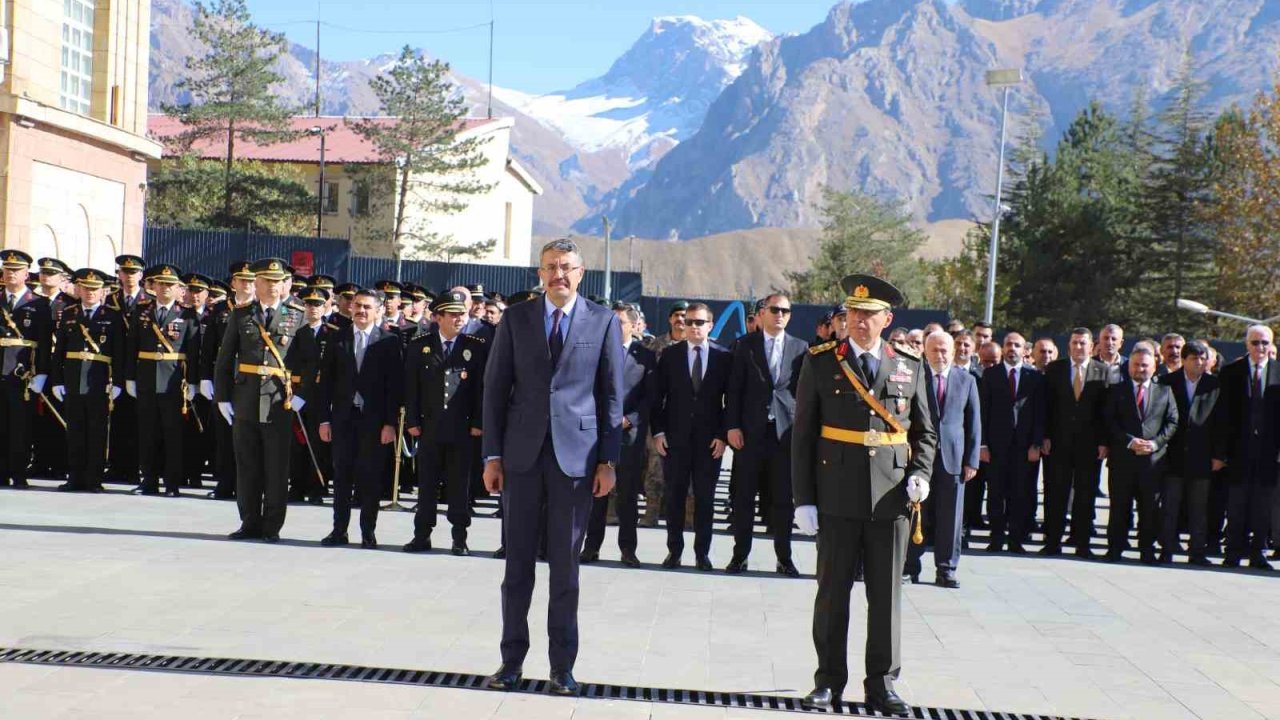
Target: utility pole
{"points": [[608, 263], [318, 60], [490, 111]]}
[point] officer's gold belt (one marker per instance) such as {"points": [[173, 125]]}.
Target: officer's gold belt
{"points": [[869, 438], [89, 357], [262, 370], [160, 357], [17, 342]]}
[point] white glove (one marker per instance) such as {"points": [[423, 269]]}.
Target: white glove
{"points": [[298, 402], [206, 389], [131, 387], [807, 519], [228, 413], [917, 488], [115, 391], [37, 384], [191, 393], [59, 392]]}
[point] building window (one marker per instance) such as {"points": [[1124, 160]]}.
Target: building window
{"points": [[330, 201], [360, 199], [76, 91]]}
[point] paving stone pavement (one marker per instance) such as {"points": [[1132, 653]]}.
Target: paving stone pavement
{"points": [[154, 575]]}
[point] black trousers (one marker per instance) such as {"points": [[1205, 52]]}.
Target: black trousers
{"points": [[1011, 497], [224, 463], [1216, 514], [1248, 515], [882, 545], [358, 455], [307, 485], [630, 476], [49, 437], [567, 506], [1071, 477], [86, 417], [449, 465], [764, 462], [1126, 489], [941, 518], [161, 427], [198, 446], [262, 473], [124, 439], [974, 493], [686, 467], [15, 426], [1193, 493]]}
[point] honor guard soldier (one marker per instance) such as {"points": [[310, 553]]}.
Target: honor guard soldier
{"points": [[444, 374], [312, 461], [342, 296], [124, 418], [161, 373], [198, 447], [392, 292], [862, 451], [87, 374], [240, 278], [254, 387], [26, 326], [414, 309], [50, 436]]}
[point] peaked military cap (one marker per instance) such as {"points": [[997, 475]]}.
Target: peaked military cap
{"points": [[53, 265], [15, 260], [677, 306], [240, 270], [197, 282], [477, 291], [90, 278], [315, 296], [130, 263], [300, 282], [390, 288], [348, 289], [324, 282], [450, 301], [522, 296], [217, 288], [270, 269], [868, 292], [163, 273]]}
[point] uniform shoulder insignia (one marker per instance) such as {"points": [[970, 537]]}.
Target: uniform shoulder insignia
{"points": [[293, 305], [819, 349], [475, 339], [907, 354], [331, 326]]}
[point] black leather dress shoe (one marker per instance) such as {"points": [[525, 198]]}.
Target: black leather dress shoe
{"points": [[788, 568], [417, 545], [507, 678], [1199, 560], [630, 560], [148, 490], [736, 566], [270, 537], [1051, 550], [588, 556], [1084, 552], [1258, 561], [995, 547], [1148, 558], [369, 542], [460, 549], [335, 539], [887, 702], [22, 484], [672, 562], [562, 683], [245, 534], [173, 492], [946, 580], [1017, 548], [820, 699], [500, 553], [1231, 561], [1113, 556], [704, 564]]}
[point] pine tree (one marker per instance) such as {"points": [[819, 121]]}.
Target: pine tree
{"points": [[434, 169], [232, 99]]}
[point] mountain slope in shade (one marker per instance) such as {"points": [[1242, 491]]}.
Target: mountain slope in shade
{"points": [[888, 96]]}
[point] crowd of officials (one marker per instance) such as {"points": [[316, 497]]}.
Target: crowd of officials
{"points": [[281, 388]]}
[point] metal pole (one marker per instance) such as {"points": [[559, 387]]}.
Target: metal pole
{"points": [[317, 59], [608, 263], [995, 223], [490, 61], [320, 201]]}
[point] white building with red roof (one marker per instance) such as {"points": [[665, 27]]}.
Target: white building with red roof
{"points": [[503, 214]]}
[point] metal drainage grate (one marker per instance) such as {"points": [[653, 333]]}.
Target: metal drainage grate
{"points": [[435, 678]]}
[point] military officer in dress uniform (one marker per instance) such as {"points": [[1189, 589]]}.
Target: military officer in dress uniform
{"points": [[257, 393], [343, 295], [26, 327], [444, 372], [862, 451], [87, 374], [197, 437], [392, 297], [240, 277], [49, 435], [313, 456], [161, 373], [124, 416]]}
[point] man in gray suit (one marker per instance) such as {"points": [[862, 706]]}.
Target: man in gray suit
{"points": [[552, 436]]}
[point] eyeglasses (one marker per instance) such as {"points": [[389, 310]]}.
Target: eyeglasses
{"points": [[1259, 343], [778, 310], [696, 322], [563, 268]]}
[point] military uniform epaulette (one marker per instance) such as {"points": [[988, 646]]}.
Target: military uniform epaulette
{"points": [[910, 355], [818, 349], [293, 305], [331, 326], [473, 337]]}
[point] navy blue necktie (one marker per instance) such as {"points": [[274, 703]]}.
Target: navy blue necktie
{"points": [[868, 367], [448, 349], [556, 341]]}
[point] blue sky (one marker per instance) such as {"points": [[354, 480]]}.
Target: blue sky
{"points": [[539, 46]]}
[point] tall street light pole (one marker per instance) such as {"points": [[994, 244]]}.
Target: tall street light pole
{"points": [[1006, 79], [608, 263], [317, 130]]}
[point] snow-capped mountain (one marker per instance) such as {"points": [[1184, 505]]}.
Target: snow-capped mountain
{"points": [[654, 95]]}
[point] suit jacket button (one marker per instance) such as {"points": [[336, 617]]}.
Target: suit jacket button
{"points": [[871, 452]]}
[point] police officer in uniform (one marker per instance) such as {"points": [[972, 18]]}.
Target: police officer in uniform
{"points": [[444, 372], [87, 374], [256, 394], [26, 326], [862, 449], [241, 286], [163, 337]]}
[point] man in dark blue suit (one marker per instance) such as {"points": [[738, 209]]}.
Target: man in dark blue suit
{"points": [[689, 431], [553, 437], [759, 408], [637, 396], [359, 381], [953, 405], [1190, 470], [1013, 422]]}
